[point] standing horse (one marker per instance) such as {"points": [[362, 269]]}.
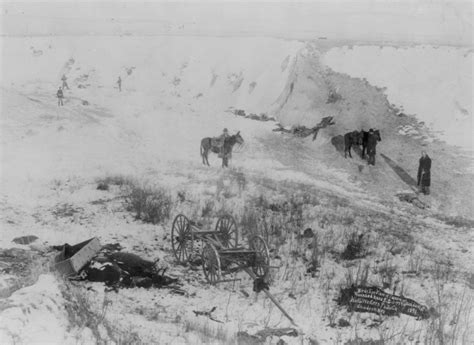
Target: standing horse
{"points": [[210, 144], [350, 139], [365, 140]]}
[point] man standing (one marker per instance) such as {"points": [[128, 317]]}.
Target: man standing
{"points": [[119, 82], [65, 85], [424, 173], [371, 144], [60, 96], [221, 139]]}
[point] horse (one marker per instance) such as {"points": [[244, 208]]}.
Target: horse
{"points": [[209, 144], [365, 140], [351, 138]]}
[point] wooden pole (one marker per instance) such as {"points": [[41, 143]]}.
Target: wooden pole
{"points": [[272, 298]]}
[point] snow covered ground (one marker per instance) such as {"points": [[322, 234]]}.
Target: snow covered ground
{"points": [[177, 89]]}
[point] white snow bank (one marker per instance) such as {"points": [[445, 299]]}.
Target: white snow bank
{"points": [[432, 83], [240, 72], [36, 315]]}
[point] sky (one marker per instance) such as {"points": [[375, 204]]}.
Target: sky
{"points": [[419, 21]]}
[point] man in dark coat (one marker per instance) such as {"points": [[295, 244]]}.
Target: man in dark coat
{"points": [[424, 173], [371, 144]]}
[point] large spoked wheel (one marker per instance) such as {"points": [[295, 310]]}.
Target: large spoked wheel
{"points": [[226, 229], [182, 238], [262, 256], [211, 264]]}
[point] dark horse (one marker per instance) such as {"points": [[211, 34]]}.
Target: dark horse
{"points": [[209, 144], [350, 139], [365, 140]]}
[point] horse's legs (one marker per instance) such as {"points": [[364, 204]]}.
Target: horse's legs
{"points": [[204, 154], [348, 150]]}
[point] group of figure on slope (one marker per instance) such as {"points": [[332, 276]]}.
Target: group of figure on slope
{"points": [[61, 89], [368, 141]]}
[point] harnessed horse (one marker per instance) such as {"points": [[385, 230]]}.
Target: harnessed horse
{"points": [[209, 144]]}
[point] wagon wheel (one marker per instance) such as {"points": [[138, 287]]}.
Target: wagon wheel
{"points": [[182, 238], [262, 257], [227, 234], [211, 263]]}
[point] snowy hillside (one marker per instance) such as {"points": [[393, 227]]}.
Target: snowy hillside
{"points": [[432, 83], [177, 90]]}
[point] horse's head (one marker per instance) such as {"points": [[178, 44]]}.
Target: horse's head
{"points": [[377, 135], [238, 138]]}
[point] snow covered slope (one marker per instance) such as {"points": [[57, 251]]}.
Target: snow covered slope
{"points": [[175, 91], [432, 83]]}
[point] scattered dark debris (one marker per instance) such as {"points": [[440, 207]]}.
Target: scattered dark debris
{"points": [[458, 221], [261, 336], [245, 293], [343, 323], [243, 338], [259, 284], [303, 131], [126, 270], [120, 269], [66, 210], [262, 117], [207, 314], [25, 239], [103, 186], [84, 102], [308, 233], [112, 247], [276, 332], [411, 198], [355, 247]]}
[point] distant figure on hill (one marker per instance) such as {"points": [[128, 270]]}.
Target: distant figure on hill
{"points": [[371, 145], [119, 83], [424, 173], [65, 85], [60, 96]]}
